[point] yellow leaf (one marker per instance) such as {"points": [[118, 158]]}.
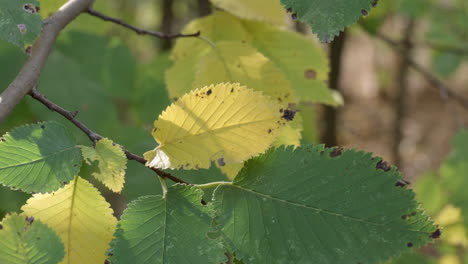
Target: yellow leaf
{"points": [[112, 163], [225, 121], [80, 216], [231, 170], [290, 135], [301, 60], [237, 62], [265, 10]]}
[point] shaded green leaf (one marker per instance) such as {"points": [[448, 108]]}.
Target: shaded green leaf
{"points": [[328, 18], [326, 205], [167, 230], [24, 240], [20, 22], [38, 157]]}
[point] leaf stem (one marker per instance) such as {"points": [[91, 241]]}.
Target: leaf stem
{"points": [[163, 186], [211, 43], [212, 184]]}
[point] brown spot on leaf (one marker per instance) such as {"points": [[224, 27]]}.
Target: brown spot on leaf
{"points": [[289, 10], [310, 74], [409, 244], [337, 151], [29, 219], [402, 183], [30, 8], [269, 131], [364, 12], [209, 92], [382, 165], [221, 162], [28, 50], [289, 114], [42, 126], [294, 16], [436, 234]]}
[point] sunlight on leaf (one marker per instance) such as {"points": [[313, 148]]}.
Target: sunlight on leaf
{"points": [[81, 217]]}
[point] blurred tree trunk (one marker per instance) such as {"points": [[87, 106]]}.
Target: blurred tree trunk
{"points": [[166, 23], [329, 136], [204, 7], [402, 82]]}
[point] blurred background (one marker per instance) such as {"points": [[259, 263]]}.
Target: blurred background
{"points": [[401, 71]]}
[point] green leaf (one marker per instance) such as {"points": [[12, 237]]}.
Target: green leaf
{"points": [[38, 157], [328, 18], [167, 230], [112, 163], [326, 205], [20, 22], [24, 240]]}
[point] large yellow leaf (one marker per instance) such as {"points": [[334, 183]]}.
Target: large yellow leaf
{"points": [[237, 62], [80, 216], [266, 10], [302, 60], [227, 123], [180, 77], [111, 165]]}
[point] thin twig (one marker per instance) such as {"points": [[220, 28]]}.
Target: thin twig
{"points": [[433, 80], [94, 137], [139, 31]]}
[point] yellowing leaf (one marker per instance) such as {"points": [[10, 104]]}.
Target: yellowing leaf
{"points": [[180, 77], [48, 7], [80, 216], [111, 163], [237, 62], [265, 10], [301, 60], [224, 121], [290, 135], [231, 170]]}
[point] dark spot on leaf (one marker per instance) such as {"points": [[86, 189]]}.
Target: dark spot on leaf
{"points": [[382, 165], [38, 238], [110, 254], [65, 183], [310, 74], [402, 183], [413, 213], [221, 162], [409, 244], [175, 99], [374, 3], [208, 92], [30, 8], [269, 131], [1, 227], [74, 165], [436, 234], [106, 262], [238, 65], [289, 114], [29, 219], [38, 9], [42, 126], [327, 39], [404, 217], [28, 50], [203, 202], [232, 90], [364, 12], [289, 10], [337, 151], [294, 16]]}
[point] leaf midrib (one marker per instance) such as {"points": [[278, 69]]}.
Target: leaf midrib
{"points": [[316, 209], [42, 158]]}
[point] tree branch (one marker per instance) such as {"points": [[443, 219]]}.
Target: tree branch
{"points": [[139, 31], [94, 137], [29, 74], [433, 80]]}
